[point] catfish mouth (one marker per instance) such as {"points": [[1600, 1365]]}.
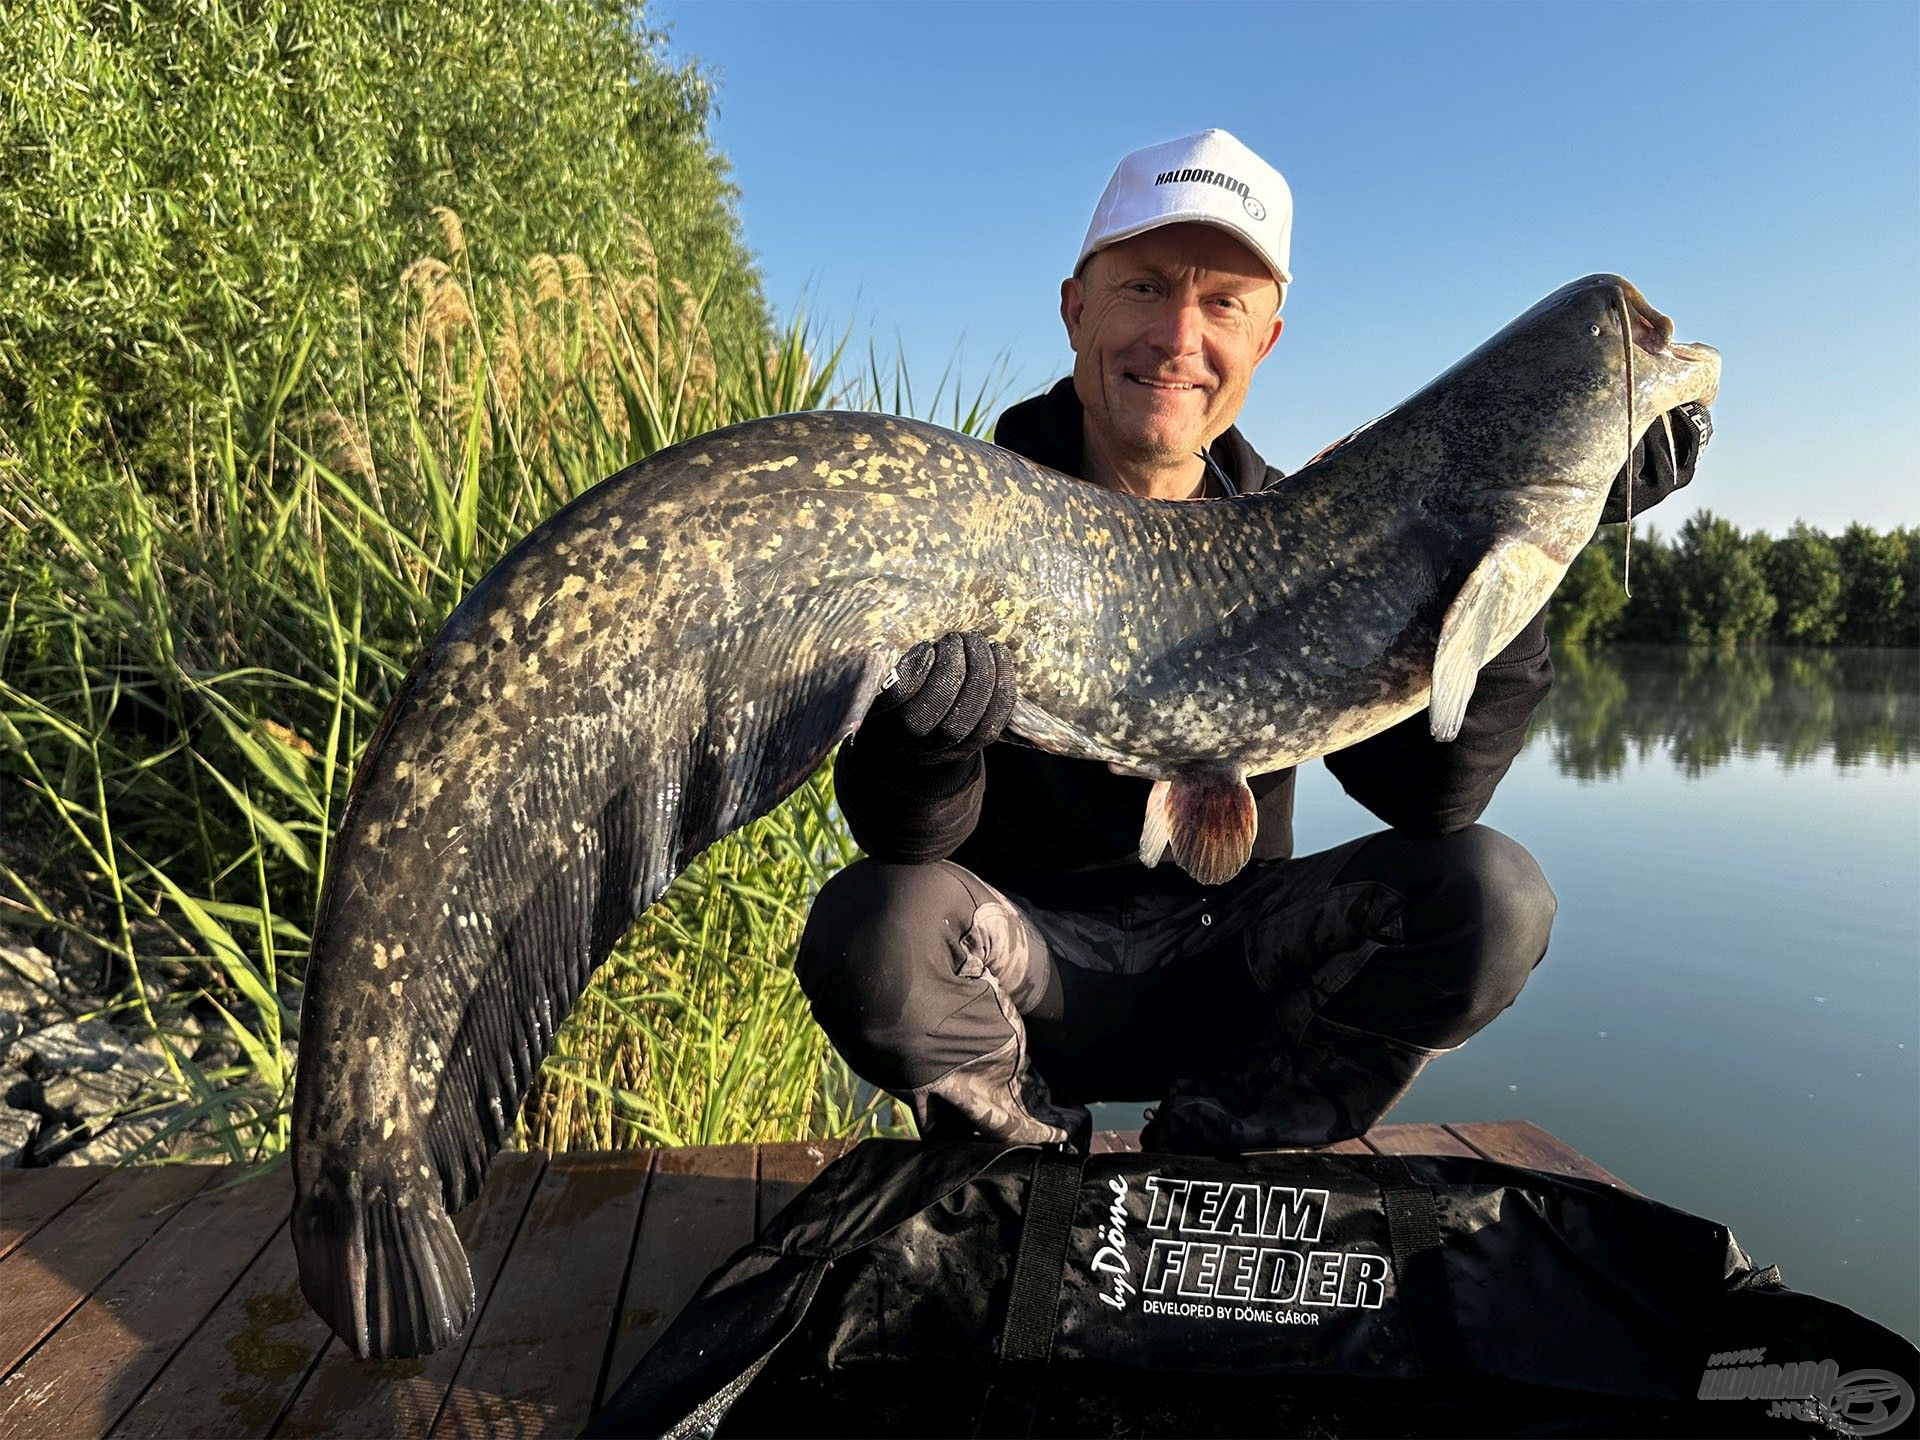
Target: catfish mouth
{"points": [[1652, 331]]}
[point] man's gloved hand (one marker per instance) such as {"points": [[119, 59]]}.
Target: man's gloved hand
{"points": [[952, 699], [1657, 474]]}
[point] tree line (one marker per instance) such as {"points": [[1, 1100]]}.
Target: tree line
{"points": [[1715, 584]]}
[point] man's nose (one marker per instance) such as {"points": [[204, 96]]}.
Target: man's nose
{"points": [[1177, 328]]}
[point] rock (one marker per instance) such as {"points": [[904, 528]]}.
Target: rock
{"points": [[27, 983], [183, 1032], [69, 1045], [29, 965], [83, 966], [87, 1095], [122, 1141], [17, 1129]]}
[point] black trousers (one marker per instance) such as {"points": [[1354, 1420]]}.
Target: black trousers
{"points": [[1293, 1005]]}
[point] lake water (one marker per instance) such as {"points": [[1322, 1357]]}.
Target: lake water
{"points": [[1729, 1016]]}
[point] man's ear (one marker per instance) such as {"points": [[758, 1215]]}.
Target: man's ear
{"points": [[1072, 304], [1272, 336]]}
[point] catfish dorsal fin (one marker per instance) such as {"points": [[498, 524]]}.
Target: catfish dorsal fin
{"points": [[1207, 817], [1512, 580]]}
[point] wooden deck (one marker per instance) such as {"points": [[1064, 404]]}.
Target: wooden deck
{"points": [[163, 1301]]}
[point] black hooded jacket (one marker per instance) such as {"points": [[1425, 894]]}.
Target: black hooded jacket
{"points": [[1067, 832]]}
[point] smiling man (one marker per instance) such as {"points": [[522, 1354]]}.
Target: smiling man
{"points": [[1002, 958], [1167, 327]]}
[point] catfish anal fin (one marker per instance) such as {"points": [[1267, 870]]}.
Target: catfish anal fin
{"points": [[1207, 818], [1512, 580]]}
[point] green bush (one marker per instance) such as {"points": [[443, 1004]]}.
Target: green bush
{"points": [[186, 689], [191, 192]]}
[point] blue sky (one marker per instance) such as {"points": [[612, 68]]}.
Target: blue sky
{"points": [[923, 175]]}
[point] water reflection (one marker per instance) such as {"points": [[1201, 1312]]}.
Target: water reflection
{"points": [[1704, 706]]}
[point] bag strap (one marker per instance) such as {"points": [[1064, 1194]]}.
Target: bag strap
{"points": [[1419, 1265], [1014, 1386], [1034, 1297]]}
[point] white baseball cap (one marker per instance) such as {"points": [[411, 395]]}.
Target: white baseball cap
{"points": [[1209, 179]]}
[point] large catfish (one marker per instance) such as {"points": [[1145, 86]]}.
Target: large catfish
{"points": [[671, 654]]}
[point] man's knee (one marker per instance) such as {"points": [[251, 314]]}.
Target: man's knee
{"points": [[1477, 919], [1504, 896], [879, 963], [1504, 908], [873, 925]]}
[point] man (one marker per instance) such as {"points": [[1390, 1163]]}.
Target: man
{"points": [[1002, 958]]}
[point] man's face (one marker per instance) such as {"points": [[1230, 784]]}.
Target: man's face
{"points": [[1166, 330]]}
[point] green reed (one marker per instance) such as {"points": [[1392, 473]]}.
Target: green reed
{"points": [[187, 683]]}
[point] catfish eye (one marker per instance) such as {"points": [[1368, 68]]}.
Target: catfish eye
{"points": [[1593, 330]]}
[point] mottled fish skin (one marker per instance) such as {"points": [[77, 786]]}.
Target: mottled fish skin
{"points": [[672, 653]]}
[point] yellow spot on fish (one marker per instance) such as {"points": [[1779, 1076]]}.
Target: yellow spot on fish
{"points": [[770, 465]]}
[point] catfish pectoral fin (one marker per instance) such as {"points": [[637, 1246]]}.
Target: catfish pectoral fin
{"points": [[1207, 817], [1512, 580]]}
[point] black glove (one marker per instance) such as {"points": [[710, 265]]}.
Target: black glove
{"points": [[952, 699], [1657, 474]]}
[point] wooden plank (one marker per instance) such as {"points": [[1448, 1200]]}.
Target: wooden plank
{"points": [[95, 1365], [700, 1209], [1521, 1142], [348, 1396], [1417, 1140], [236, 1373], [81, 1246], [1115, 1142], [786, 1170], [535, 1358], [30, 1198], [1347, 1147]]}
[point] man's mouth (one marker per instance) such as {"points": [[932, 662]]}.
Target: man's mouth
{"points": [[1153, 382]]}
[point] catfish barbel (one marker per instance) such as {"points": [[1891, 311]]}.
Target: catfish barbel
{"points": [[671, 654]]}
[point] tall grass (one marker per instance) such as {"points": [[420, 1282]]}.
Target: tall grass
{"points": [[187, 684]]}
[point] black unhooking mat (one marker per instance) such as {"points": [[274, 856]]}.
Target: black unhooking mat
{"points": [[994, 1290]]}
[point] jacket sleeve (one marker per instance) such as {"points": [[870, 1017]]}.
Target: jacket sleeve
{"points": [[1430, 787], [904, 812]]}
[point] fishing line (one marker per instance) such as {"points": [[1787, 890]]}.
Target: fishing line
{"points": [[1626, 340]]}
